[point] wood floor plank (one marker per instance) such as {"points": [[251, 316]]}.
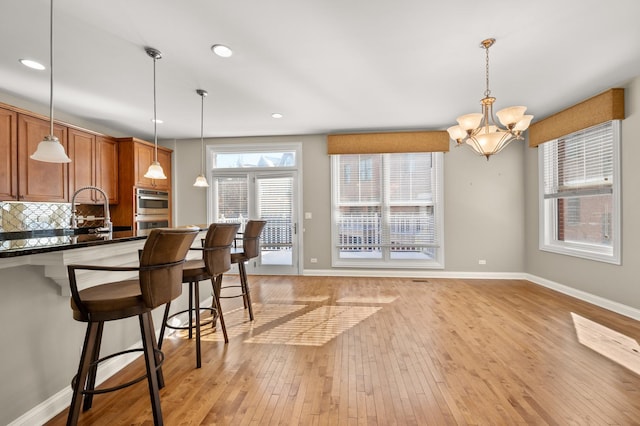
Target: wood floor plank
{"points": [[389, 351]]}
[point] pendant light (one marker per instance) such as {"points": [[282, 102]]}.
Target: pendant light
{"points": [[201, 180], [155, 169], [49, 149]]}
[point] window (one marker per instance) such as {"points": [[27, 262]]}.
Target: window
{"points": [[579, 194], [387, 210]]}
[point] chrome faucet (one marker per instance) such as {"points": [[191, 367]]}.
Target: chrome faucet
{"points": [[107, 225]]}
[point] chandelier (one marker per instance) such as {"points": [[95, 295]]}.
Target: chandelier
{"points": [[480, 131]]}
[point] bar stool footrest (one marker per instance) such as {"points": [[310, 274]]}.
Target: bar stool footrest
{"points": [[214, 317], [124, 385]]}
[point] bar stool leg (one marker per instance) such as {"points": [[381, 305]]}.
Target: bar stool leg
{"points": [[148, 340], [245, 288], [217, 283], [93, 368], [163, 327], [191, 284], [196, 285], [83, 369]]}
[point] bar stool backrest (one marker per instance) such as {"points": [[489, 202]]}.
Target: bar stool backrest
{"points": [[217, 247], [251, 238], [161, 264]]}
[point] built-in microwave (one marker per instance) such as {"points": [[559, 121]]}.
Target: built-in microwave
{"points": [[152, 202]]}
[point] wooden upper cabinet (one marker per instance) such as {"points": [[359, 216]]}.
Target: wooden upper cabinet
{"points": [[144, 155], [94, 162], [82, 168], [164, 158], [107, 167], [8, 155], [38, 180]]}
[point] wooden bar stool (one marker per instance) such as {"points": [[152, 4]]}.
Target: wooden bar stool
{"points": [[216, 260], [159, 281], [250, 249]]}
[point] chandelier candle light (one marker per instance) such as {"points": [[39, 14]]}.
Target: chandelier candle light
{"points": [[155, 169], [480, 131], [201, 180]]}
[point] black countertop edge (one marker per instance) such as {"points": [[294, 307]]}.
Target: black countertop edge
{"points": [[42, 233], [75, 241]]}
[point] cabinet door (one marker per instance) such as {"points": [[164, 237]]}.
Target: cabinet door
{"points": [[143, 157], [164, 158], [82, 166], [8, 155], [37, 180], [107, 167]]}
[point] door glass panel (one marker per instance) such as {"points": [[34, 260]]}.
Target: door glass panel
{"points": [[232, 197], [275, 205]]}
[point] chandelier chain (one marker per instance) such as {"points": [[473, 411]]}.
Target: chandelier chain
{"points": [[487, 92]]}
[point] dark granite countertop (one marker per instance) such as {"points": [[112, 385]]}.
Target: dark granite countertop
{"points": [[14, 244]]}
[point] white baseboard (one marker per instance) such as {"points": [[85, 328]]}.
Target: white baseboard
{"points": [[406, 273], [48, 409], [610, 305], [60, 401]]}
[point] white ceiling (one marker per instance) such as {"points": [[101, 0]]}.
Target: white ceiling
{"points": [[327, 65]]}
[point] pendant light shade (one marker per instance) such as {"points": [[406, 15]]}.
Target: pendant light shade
{"points": [[50, 150], [201, 180], [155, 169]]}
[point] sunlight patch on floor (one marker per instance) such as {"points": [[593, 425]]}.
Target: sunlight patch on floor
{"points": [[367, 299], [300, 299], [317, 327], [237, 320], [616, 346]]}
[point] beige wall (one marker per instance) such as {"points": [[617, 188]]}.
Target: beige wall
{"points": [[618, 283], [484, 203]]}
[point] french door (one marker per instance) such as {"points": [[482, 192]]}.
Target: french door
{"points": [[268, 195]]}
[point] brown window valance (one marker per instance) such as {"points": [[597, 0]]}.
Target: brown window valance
{"points": [[382, 143], [601, 108]]}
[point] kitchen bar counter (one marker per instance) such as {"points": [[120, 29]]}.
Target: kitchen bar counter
{"points": [[13, 244], [55, 249]]}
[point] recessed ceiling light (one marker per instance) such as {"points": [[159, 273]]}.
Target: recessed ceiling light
{"points": [[32, 64], [221, 50], [276, 115]]}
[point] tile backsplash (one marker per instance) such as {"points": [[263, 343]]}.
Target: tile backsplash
{"points": [[21, 216]]}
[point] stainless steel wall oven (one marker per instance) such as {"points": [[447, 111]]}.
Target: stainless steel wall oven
{"points": [[152, 209]]}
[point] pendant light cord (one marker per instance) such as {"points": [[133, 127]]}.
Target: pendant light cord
{"points": [[202, 134], [155, 118], [51, 72]]}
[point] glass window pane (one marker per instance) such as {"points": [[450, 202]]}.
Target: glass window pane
{"points": [[360, 179], [232, 199], [585, 219], [359, 232], [234, 160]]}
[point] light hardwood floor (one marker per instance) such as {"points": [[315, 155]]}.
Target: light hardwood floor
{"points": [[385, 351]]}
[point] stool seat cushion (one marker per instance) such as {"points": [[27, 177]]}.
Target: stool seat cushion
{"points": [[238, 257], [194, 270], [111, 301]]}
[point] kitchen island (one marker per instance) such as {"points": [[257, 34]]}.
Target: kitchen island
{"points": [[41, 341], [56, 248]]}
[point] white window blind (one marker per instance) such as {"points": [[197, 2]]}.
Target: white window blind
{"points": [[580, 164], [580, 203]]}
